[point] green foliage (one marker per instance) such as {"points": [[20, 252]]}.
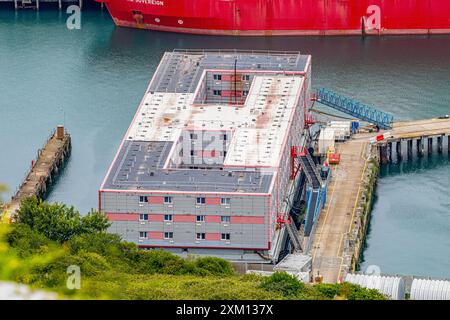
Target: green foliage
{"points": [[355, 292], [163, 262], [283, 283], [45, 239], [184, 287], [27, 241], [57, 221], [208, 266], [15, 267], [327, 290]]}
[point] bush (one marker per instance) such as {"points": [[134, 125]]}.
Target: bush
{"points": [[27, 241], [211, 266], [57, 221], [355, 292], [48, 238], [327, 290], [163, 262], [283, 283], [155, 261]]}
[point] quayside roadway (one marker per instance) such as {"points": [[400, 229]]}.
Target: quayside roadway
{"points": [[345, 189]]}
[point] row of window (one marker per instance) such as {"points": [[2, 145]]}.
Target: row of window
{"points": [[223, 236], [144, 199], [245, 77], [194, 136], [169, 218], [213, 153], [199, 200], [198, 236], [219, 93]]}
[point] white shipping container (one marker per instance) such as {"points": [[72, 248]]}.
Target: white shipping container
{"points": [[326, 140], [342, 129]]}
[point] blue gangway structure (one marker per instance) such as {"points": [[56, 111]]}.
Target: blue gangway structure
{"points": [[315, 192], [354, 108]]}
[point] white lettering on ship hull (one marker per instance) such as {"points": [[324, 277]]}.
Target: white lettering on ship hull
{"points": [[373, 19], [149, 2]]}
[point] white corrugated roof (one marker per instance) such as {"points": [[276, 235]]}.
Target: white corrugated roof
{"points": [[392, 287], [424, 289]]}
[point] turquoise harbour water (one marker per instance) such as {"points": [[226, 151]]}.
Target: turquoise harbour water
{"points": [[93, 79]]}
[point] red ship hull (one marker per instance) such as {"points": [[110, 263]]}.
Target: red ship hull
{"points": [[284, 17]]}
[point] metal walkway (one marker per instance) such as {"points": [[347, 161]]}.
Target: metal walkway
{"points": [[293, 235], [309, 167], [354, 108]]}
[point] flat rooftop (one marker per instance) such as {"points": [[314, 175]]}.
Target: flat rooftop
{"points": [[150, 156]]}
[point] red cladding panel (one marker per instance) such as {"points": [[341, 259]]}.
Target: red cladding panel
{"points": [[213, 219], [156, 235], [156, 200], [248, 220], [212, 201], [122, 216], [213, 236], [156, 217], [184, 218]]}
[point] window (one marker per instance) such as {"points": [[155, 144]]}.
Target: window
{"points": [[143, 217], [225, 201], [245, 93], [217, 92], [201, 200], [192, 152], [225, 219], [200, 218], [201, 236], [246, 77], [143, 199], [167, 200], [217, 77], [143, 234], [168, 235], [224, 137], [224, 154], [168, 217], [225, 236], [192, 136]]}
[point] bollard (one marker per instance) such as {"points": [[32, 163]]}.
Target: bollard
{"points": [[60, 132]]}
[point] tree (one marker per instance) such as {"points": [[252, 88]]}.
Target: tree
{"points": [[57, 221]]}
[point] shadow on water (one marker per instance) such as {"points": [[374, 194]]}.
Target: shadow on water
{"points": [[415, 165]]}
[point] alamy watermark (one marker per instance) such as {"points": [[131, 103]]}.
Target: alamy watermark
{"points": [[74, 279], [373, 270], [73, 22], [373, 19]]}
